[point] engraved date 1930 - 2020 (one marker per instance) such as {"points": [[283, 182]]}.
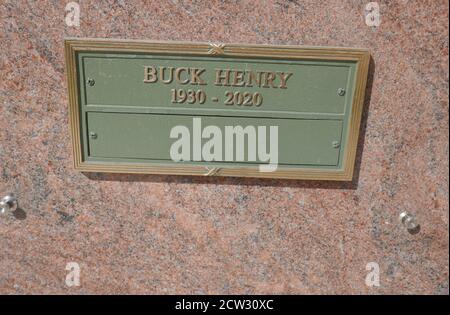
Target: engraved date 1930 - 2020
{"points": [[222, 77]]}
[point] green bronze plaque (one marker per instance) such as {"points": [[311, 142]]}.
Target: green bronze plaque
{"points": [[215, 109]]}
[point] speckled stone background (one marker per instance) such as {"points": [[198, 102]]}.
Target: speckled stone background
{"points": [[166, 235]]}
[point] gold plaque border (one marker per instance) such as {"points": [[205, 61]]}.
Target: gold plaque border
{"points": [[360, 56]]}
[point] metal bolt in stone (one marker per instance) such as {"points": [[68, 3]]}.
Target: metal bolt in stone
{"points": [[8, 204], [91, 82], [408, 221], [93, 135]]}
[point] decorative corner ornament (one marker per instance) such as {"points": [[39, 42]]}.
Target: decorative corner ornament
{"points": [[216, 49], [212, 171]]}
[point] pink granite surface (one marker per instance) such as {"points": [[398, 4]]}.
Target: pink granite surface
{"points": [[163, 234]]}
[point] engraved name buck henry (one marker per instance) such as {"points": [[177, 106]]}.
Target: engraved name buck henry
{"points": [[223, 77]]}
